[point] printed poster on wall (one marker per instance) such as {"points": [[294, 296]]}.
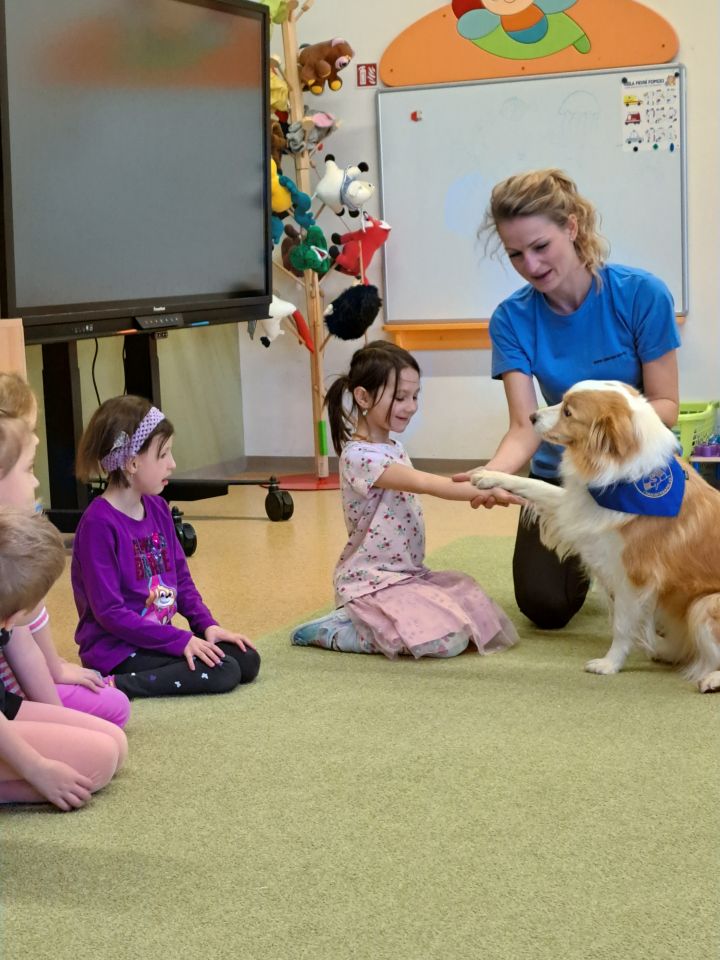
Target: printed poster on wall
{"points": [[650, 111]]}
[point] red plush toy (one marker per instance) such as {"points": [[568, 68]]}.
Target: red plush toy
{"points": [[359, 246]]}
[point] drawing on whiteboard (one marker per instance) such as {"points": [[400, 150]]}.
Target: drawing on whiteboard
{"points": [[579, 112], [535, 28]]}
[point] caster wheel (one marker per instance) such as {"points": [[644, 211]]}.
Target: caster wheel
{"points": [[278, 504], [185, 533]]}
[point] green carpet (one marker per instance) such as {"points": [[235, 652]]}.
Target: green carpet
{"points": [[509, 807]]}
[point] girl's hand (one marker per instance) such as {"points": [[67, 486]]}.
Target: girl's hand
{"points": [[73, 673], [495, 497], [216, 633], [61, 784], [204, 650]]}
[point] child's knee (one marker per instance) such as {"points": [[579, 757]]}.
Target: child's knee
{"points": [[116, 706], [225, 676], [249, 665]]}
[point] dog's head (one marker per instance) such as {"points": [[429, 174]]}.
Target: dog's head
{"points": [[610, 432]]}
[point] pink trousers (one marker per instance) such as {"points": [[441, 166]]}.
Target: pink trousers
{"points": [[108, 703], [92, 746]]}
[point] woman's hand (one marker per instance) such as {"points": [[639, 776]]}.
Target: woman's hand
{"points": [[216, 634], [73, 673], [60, 783], [204, 650]]}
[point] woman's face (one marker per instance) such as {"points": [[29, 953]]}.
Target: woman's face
{"points": [[542, 252]]}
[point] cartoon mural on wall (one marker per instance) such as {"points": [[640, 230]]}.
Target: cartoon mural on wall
{"points": [[491, 39], [519, 29]]}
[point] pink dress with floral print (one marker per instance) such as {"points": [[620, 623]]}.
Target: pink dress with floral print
{"points": [[396, 603]]}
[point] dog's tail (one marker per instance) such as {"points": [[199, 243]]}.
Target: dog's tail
{"points": [[704, 630]]}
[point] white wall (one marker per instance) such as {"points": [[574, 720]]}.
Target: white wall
{"points": [[462, 412]]}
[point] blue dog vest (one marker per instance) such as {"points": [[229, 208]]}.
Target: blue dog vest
{"points": [[657, 494]]}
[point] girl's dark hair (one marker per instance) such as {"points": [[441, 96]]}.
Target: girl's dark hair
{"points": [[115, 416], [373, 367]]}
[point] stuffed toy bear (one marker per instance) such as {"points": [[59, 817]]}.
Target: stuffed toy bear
{"points": [[359, 247], [340, 188], [320, 63], [278, 143]]}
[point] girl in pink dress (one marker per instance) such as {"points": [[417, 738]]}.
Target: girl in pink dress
{"points": [[387, 600]]}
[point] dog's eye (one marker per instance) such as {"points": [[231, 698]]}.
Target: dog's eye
{"points": [[566, 412]]}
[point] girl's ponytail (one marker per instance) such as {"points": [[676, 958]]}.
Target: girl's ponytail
{"points": [[341, 423]]}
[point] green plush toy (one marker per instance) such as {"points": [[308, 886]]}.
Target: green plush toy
{"points": [[312, 252]]}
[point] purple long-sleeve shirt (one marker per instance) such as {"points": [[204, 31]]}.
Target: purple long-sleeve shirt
{"points": [[129, 578]]}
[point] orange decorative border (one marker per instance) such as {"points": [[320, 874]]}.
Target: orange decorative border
{"points": [[622, 33]]}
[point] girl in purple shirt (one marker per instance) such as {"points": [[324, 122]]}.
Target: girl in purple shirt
{"points": [[130, 576]]}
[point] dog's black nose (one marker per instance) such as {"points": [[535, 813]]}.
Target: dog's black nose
{"points": [[533, 418]]}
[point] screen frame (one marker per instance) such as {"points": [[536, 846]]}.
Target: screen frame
{"points": [[72, 321]]}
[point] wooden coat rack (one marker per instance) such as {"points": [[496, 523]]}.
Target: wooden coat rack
{"points": [[311, 283]]}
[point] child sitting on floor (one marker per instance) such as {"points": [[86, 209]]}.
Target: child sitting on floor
{"points": [[30, 666], [130, 576], [388, 600], [47, 752]]}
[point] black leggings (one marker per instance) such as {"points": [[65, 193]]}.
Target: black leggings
{"points": [[549, 591], [146, 674]]}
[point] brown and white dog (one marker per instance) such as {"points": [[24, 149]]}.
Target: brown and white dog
{"points": [[661, 573]]}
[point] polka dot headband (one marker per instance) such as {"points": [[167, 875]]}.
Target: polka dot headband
{"points": [[125, 448]]}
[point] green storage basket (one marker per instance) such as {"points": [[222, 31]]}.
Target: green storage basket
{"points": [[696, 423]]}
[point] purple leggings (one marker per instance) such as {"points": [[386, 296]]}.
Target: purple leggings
{"points": [[108, 703]]}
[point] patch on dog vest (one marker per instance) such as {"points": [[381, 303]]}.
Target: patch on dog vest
{"points": [[657, 494]]}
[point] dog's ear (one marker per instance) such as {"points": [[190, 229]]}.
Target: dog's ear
{"points": [[612, 435]]}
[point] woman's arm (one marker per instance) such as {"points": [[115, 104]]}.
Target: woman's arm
{"points": [[660, 386], [520, 442], [517, 446]]}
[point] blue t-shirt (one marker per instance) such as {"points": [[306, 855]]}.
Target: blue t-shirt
{"points": [[629, 321]]}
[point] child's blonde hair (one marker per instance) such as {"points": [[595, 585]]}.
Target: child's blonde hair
{"points": [[32, 557], [14, 437], [16, 397], [117, 416], [553, 194]]}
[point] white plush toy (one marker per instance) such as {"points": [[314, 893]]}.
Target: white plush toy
{"points": [[340, 188], [270, 327]]}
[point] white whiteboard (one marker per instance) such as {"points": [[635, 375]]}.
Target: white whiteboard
{"points": [[437, 172]]}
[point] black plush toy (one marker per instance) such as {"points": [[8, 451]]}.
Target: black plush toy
{"points": [[350, 314]]}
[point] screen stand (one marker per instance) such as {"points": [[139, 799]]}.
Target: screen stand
{"points": [[63, 419]]}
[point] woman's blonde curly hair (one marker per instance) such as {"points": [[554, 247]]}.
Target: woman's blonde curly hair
{"points": [[553, 194]]}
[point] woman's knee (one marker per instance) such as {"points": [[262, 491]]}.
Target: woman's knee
{"points": [[547, 612]]}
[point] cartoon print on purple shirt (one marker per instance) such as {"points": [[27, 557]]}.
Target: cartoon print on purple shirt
{"points": [[160, 604]]}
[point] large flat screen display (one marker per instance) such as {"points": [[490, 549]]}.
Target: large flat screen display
{"points": [[134, 163]]}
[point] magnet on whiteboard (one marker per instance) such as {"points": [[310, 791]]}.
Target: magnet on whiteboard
{"points": [[416, 115]]}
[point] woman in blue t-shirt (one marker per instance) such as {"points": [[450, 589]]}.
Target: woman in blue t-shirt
{"points": [[577, 318]]}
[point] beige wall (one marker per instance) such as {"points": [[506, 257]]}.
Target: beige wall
{"points": [[462, 413], [200, 388]]}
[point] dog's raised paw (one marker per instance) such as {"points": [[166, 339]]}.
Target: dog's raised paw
{"points": [[710, 683], [483, 479], [602, 665]]}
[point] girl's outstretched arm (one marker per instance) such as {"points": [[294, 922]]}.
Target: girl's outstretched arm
{"points": [[408, 479]]}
